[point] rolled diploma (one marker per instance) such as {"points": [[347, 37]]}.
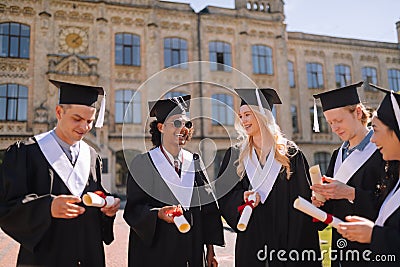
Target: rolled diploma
{"points": [[182, 224], [308, 208], [246, 214], [316, 178], [93, 200]]}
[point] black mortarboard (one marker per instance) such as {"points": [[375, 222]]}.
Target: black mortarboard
{"points": [[267, 98], [388, 111], [341, 97], [162, 109], [79, 94]]}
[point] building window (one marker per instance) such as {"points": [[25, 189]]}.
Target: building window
{"points": [[13, 102], [175, 52], [322, 159], [127, 106], [222, 109], [14, 40], [262, 59], [369, 75], [127, 49], [394, 79], [220, 55], [343, 75], [292, 81], [295, 124], [315, 76], [323, 124]]}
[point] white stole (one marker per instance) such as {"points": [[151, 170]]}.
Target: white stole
{"points": [[74, 177], [181, 187], [391, 204], [345, 170], [262, 179]]}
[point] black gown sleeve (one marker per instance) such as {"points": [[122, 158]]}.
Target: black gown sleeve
{"points": [[139, 212], [26, 222], [230, 188]]}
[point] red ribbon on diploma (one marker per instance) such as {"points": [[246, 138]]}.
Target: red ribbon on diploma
{"points": [[329, 219], [102, 195], [247, 203], [175, 213]]}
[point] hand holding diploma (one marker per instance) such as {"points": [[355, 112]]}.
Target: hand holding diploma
{"points": [[316, 178], [308, 208], [98, 199], [251, 201], [174, 214]]}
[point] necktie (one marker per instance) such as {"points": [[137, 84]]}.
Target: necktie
{"points": [[73, 154], [177, 167]]}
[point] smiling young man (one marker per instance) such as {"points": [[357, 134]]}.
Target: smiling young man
{"points": [[355, 169], [165, 181], [42, 181]]}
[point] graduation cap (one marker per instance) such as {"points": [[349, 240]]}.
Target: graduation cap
{"points": [[337, 98], [79, 94], [388, 111], [266, 99], [162, 109]]}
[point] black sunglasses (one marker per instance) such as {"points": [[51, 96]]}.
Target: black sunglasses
{"points": [[178, 124]]}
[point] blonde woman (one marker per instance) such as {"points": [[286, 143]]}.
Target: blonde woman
{"points": [[273, 168]]}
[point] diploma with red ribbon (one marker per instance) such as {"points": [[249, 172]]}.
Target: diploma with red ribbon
{"points": [[308, 208], [98, 199], [180, 220], [245, 211]]}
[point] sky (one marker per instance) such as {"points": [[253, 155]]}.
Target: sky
{"points": [[373, 20]]}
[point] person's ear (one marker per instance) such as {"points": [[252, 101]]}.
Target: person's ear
{"points": [[160, 127], [59, 112]]}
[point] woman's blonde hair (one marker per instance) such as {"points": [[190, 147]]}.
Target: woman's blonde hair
{"points": [[269, 129]]}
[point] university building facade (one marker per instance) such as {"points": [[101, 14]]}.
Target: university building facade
{"points": [[142, 50]]}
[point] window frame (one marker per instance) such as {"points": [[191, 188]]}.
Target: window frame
{"points": [[220, 51], [22, 37], [262, 56], [12, 103], [315, 75], [342, 71], [181, 51], [133, 105], [123, 48], [221, 109]]}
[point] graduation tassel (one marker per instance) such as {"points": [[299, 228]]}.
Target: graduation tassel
{"points": [[316, 124], [259, 102], [395, 108], [100, 117]]}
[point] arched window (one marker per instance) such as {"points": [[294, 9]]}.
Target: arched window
{"points": [[14, 40], [222, 112], [220, 55], [315, 76], [343, 75], [13, 102], [127, 49], [127, 106], [175, 52], [262, 59], [322, 159]]}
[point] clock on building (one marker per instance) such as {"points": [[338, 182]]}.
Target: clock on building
{"points": [[73, 40]]}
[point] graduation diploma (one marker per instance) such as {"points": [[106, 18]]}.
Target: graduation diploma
{"points": [[97, 199], [316, 178], [180, 221], [308, 208], [246, 210]]}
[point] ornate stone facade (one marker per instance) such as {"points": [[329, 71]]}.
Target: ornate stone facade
{"points": [[75, 41]]}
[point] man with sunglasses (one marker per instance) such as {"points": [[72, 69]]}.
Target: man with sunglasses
{"points": [[165, 182]]}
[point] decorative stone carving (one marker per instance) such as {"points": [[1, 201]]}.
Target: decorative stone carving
{"points": [[41, 114], [73, 65]]}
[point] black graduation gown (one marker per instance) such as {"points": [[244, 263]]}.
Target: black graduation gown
{"points": [[274, 225], [366, 203], [385, 242], [47, 241], [153, 242]]}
